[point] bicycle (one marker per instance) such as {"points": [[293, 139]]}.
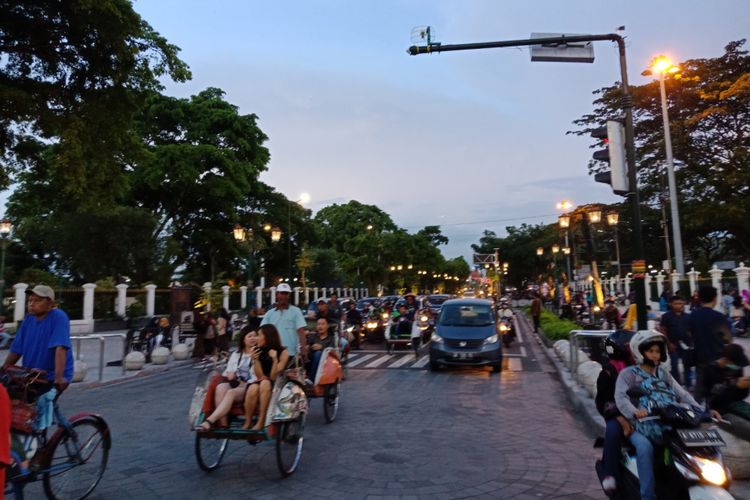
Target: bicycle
{"points": [[70, 462]]}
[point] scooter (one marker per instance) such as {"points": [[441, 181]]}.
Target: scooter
{"points": [[507, 333], [688, 464]]}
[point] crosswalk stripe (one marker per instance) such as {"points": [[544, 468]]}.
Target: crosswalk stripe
{"points": [[379, 361], [514, 364], [423, 361], [361, 360], [404, 359]]}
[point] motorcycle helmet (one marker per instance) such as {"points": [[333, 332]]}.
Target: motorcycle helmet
{"points": [[643, 340], [617, 346]]}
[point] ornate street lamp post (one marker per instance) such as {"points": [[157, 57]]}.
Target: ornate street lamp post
{"points": [[5, 228], [612, 219]]}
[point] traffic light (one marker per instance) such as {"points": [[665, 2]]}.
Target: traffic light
{"points": [[613, 135]]}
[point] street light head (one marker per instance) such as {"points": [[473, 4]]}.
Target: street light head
{"points": [[613, 218], [564, 221], [566, 250], [5, 228], [564, 205], [369, 227], [555, 248], [239, 233], [267, 227], [275, 234], [595, 216], [661, 64], [540, 251], [304, 198]]}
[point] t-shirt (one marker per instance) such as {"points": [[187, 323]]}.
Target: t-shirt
{"points": [[676, 326], [287, 321], [36, 341], [266, 362], [4, 426], [707, 328]]}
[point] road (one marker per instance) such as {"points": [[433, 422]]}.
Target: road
{"points": [[402, 432]]}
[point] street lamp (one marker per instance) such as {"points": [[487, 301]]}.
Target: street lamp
{"points": [[564, 221], [564, 205], [595, 215], [275, 234], [540, 251], [661, 65], [612, 220], [555, 248], [5, 229]]}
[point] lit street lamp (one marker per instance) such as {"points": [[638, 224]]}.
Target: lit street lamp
{"points": [[275, 234], [564, 220], [5, 229], [661, 65], [540, 251], [595, 215]]}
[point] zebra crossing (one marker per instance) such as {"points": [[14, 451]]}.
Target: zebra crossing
{"points": [[381, 360]]}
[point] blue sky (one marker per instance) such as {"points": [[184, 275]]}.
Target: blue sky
{"points": [[447, 139]]}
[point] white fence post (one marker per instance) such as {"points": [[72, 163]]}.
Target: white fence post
{"points": [[296, 295], [88, 301], [20, 309], [122, 299], [225, 297], [307, 296], [716, 273], [258, 297], [660, 283], [243, 297], [151, 299], [692, 279], [676, 285], [743, 277]]}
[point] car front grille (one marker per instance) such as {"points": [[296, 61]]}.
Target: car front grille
{"points": [[468, 344]]}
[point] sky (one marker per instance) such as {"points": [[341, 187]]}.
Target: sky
{"points": [[468, 140]]}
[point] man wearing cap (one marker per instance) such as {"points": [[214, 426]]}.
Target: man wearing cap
{"points": [[288, 320], [43, 340]]}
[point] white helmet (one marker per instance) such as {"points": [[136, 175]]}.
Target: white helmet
{"points": [[644, 339]]}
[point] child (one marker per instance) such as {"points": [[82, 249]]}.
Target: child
{"points": [[649, 349]]}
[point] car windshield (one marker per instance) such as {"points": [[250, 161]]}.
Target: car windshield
{"points": [[436, 300], [466, 315]]}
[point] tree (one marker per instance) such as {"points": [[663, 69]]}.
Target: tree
{"points": [[709, 111], [74, 74]]}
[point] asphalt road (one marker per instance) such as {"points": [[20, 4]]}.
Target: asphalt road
{"points": [[402, 432]]}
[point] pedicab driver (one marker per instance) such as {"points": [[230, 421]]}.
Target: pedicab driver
{"points": [[43, 340], [289, 321]]}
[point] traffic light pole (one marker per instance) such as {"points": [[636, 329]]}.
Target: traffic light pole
{"points": [[627, 104]]}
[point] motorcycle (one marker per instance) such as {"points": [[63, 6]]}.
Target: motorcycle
{"points": [[692, 466], [507, 333], [426, 325]]}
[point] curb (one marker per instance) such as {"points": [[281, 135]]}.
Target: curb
{"points": [[145, 372]]}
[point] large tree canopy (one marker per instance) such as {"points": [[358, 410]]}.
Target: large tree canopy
{"points": [[74, 73], [709, 111]]}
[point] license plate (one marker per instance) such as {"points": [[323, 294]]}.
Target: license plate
{"points": [[708, 437], [463, 355]]}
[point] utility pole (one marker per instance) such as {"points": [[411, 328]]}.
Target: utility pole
{"points": [[627, 104]]}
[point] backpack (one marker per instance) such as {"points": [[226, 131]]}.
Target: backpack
{"points": [[659, 394]]}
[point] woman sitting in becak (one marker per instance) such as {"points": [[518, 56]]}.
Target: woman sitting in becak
{"points": [[269, 360], [651, 374], [239, 373]]}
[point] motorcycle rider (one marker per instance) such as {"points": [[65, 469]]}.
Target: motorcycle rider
{"points": [[617, 426], [354, 318], [649, 349], [504, 311], [411, 305]]}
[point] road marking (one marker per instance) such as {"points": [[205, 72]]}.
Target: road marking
{"points": [[404, 359], [379, 361], [361, 360], [420, 364], [523, 352], [513, 355], [514, 365]]}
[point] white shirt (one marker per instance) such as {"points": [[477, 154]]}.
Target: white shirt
{"points": [[241, 364]]}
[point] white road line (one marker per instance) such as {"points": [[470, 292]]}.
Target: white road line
{"points": [[401, 362], [353, 356], [379, 361], [517, 322], [514, 365], [523, 352], [361, 360], [423, 361], [512, 355]]}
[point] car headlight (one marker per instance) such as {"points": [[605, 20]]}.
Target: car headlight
{"points": [[424, 319], [384, 315], [372, 325], [436, 338], [711, 470], [491, 339]]}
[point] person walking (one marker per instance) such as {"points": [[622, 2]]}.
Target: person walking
{"points": [[674, 324], [289, 321], [536, 311], [710, 332]]}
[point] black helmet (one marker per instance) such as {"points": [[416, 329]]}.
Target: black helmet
{"points": [[617, 345]]}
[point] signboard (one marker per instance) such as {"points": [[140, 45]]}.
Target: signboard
{"points": [[561, 51]]}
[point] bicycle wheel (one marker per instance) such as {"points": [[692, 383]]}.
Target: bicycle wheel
{"points": [[289, 441], [209, 452], [331, 401], [78, 459]]}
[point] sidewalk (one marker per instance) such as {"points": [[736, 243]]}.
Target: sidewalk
{"points": [[112, 369], [587, 409]]}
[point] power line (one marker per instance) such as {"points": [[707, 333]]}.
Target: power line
{"points": [[489, 221]]}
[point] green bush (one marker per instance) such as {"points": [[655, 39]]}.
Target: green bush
{"points": [[135, 310], [553, 327]]}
